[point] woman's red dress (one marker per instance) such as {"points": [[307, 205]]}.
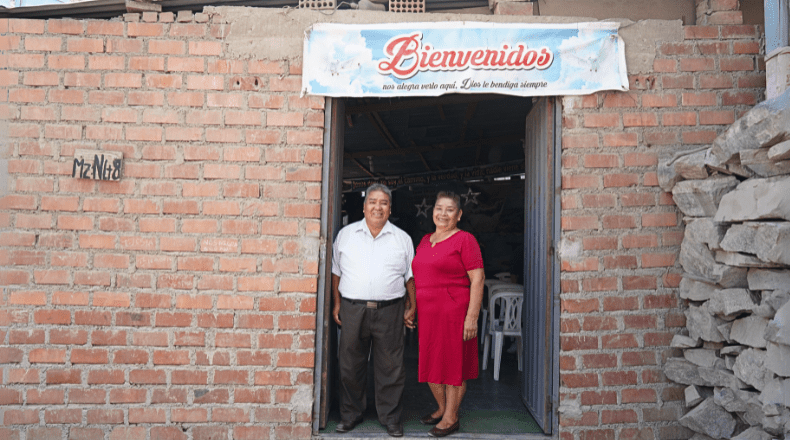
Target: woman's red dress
{"points": [[442, 282]]}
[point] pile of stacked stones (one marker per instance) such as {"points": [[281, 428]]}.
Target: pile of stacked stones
{"points": [[735, 254]]}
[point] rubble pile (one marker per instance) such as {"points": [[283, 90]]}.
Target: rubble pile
{"points": [[735, 254]]}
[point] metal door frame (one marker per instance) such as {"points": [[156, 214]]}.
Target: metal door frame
{"points": [[331, 189]]}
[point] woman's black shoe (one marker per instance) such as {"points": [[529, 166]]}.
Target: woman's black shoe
{"points": [[428, 419], [443, 432]]}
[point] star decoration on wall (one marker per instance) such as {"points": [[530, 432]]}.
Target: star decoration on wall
{"points": [[422, 208], [470, 197]]}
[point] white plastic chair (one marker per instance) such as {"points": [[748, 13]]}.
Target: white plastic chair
{"points": [[507, 323], [503, 276], [490, 284]]}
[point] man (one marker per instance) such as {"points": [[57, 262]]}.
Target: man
{"points": [[371, 273]]}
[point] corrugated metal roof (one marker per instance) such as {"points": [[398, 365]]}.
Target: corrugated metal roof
{"points": [[116, 8]]}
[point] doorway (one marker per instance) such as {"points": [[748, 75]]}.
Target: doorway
{"points": [[500, 154]]}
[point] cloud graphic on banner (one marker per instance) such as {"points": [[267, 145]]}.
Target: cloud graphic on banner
{"points": [[589, 60], [344, 61]]}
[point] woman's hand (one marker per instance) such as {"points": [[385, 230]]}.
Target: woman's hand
{"points": [[470, 329], [408, 316]]}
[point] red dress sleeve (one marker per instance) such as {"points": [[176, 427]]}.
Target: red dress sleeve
{"points": [[470, 253]]}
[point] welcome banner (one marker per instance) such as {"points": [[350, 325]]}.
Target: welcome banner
{"points": [[431, 59]]}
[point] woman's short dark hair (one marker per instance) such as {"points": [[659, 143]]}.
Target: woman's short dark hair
{"points": [[450, 195]]}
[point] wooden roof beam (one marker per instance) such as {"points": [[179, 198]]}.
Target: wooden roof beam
{"points": [[423, 149]]}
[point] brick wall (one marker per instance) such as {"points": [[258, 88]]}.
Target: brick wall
{"points": [[179, 302], [622, 234]]}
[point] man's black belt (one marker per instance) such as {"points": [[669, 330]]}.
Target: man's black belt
{"points": [[373, 304]]}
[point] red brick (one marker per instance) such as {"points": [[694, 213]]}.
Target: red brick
{"points": [[659, 220], [580, 306], [579, 223], [665, 66], [620, 140], [190, 378], [181, 415], [699, 137], [714, 48], [751, 81], [658, 260], [699, 99], [599, 323], [736, 64], [598, 398], [46, 433], [211, 396], [601, 120], [677, 82], [676, 48], [579, 380], [132, 319], [618, 222], [609, 417], [738, 98], [725, 17], [168, 433], [613, 303], [639, 321], [620, 262], [61, 416], [619, 341], [146, 377], [65, 26], [313, 137], [696, 64], [145, 30], [109, 337], [600, 360], [701, 32], [682, 118], [580, 141], [63, 376], [171, 357], [639, 282]]}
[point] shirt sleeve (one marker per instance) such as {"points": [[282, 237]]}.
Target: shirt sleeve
{"points": [[470, 253], [336, 254]]}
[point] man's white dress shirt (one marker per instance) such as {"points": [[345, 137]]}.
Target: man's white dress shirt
{"points": [[370, 268]]}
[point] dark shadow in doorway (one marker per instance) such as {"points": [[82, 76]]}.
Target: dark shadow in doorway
{"points": [[490, 407]]}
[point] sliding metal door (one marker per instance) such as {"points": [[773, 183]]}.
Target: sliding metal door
{"points": [[541, 272]]}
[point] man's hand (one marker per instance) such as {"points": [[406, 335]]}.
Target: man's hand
{"points": [[336, 312], [408, 315]]}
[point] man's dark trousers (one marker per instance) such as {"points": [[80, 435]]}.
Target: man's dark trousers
{"points": [[383, 328]]}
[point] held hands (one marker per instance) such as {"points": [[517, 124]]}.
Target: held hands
{"points": [[409, 314], [470, 329], [409, 317]]}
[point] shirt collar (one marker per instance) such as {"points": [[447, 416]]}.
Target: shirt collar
{"points": [[363, 226]]}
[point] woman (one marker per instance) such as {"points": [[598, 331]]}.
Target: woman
{"points": [[448, 274]]}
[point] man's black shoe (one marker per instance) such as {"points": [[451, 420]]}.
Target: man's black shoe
{"points": [[347, 426], [395, 430]]}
